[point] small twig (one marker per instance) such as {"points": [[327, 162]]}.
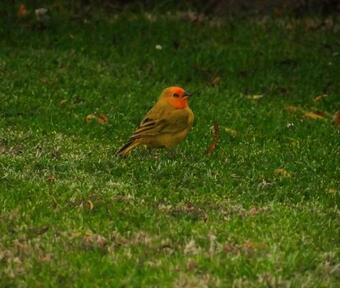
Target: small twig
{"points": [[215, 139]]}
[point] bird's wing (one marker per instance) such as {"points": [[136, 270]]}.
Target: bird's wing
{"points": [[162, 121]]}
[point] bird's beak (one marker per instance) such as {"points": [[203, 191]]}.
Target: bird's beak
{"points": [[187, 94]]}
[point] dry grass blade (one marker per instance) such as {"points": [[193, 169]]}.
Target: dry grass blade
{"points": [[254, 97], [313, 115], [320, 97], [89, 118]]}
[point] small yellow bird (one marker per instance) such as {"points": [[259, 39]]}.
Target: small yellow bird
{"points": [[165, 125]]}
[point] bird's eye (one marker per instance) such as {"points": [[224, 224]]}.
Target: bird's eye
{"points": [[176, 95]]}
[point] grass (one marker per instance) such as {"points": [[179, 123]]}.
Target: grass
{"points": [[261, 211]]}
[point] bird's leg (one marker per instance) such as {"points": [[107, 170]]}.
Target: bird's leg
{"points": [[149, 152], [172, 153]]}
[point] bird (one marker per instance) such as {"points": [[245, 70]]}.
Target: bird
{"points": [[166, 124]]}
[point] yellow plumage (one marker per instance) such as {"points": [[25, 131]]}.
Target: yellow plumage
{"points": [[165, 125]]}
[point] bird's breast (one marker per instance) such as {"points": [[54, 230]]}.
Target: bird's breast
{"points": [[169, 140]]}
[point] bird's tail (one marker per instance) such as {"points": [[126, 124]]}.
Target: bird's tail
{"points": [[126, 149]]}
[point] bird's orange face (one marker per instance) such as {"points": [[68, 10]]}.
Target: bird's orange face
{"points": [[176, 97]]}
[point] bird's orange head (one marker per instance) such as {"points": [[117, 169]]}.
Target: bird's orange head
{"points": [[176, 97]]}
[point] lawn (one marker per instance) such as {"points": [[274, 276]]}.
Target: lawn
{"points": [[259, 210]]}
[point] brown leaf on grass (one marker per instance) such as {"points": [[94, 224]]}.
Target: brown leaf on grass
{"points": [[336, 118], [102, 119], [320, 97], [282, 172], [211, 148], [90, 204], [314, 115], [216, 136], [320, 113], [215, 80], [22, 11]]}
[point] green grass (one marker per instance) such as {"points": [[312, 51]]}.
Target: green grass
{"points": [[75, 215]]}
